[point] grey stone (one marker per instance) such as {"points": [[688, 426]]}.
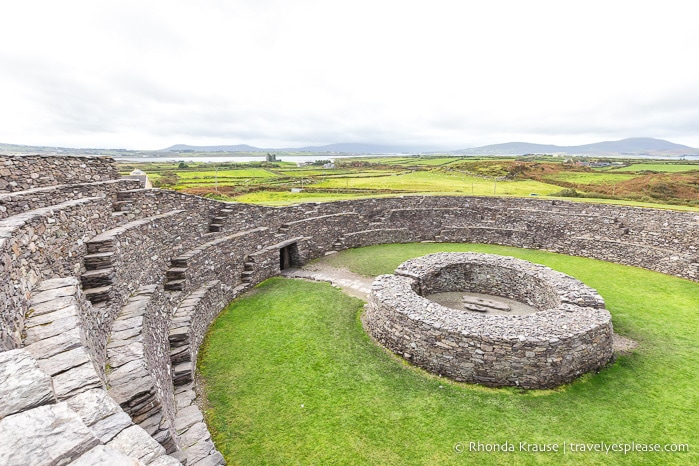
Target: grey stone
{"points": [[47, 307], [101, 413], [57, 327], [165, 461], [34, 319], [199, 451], [50, 295], [187, 417], [214, 459], [47, 435], [135, 442], [120, 355], [130, 381], [196, 432], [76, 380], [103, 455], [51, 346], [109, 427], [61, 362], [23, 385]]}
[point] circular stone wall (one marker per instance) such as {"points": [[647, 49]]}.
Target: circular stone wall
{"points": [[569, 334]]}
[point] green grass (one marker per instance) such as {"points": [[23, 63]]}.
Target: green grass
{"points": [[438, 182], [659, 167], [592, 177], [287, 197], [291, 378]]}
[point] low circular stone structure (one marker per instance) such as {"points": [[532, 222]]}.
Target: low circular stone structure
{"points": [[569, 334]]}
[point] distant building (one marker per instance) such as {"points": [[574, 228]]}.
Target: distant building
{"points": [[271, 157], [140, 176]]}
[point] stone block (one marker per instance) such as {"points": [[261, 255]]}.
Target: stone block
{"points": [[47, 435], [23, 385], [76, 380], [135, 442]]}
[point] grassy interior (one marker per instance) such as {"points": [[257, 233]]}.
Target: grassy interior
{"points": [[291, 378]]}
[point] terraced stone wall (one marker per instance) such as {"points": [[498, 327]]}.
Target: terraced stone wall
{"points": [[19, 173]]}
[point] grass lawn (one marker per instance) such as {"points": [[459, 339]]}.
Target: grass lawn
{"points": [[291, 378]]}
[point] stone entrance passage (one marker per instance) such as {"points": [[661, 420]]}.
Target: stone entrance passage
{"points": [[288, 256]]}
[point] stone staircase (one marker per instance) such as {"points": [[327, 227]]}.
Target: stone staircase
{"points": [[53, 406], [130, 382], [217, 221]]}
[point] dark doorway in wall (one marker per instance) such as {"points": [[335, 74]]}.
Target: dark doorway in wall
{"points": [[288, 256]]}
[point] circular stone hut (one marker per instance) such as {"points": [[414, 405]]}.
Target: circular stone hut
{"points": [[567, 332]]}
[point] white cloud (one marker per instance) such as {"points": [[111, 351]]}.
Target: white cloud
{"points": [[450, 73]]}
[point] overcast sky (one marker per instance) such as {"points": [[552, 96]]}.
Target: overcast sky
{"points": [[147, 74]]}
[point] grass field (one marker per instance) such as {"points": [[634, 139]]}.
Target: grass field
{"points": [[674, 183], [440, 182], [659, 167], [591, 177], [291, 378]]}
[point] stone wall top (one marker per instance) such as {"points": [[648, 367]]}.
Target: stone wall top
{"points": [[23, 172]]}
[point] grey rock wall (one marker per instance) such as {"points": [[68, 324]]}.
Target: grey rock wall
{"points": [[570, 334]]}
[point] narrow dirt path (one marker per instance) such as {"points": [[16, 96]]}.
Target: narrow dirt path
{"points": [[351, 283]]}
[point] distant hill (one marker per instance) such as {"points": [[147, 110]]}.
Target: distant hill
{"points": [[348, 148], [234, 148], [630, 146]]}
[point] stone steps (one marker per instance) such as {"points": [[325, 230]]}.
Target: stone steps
{"points": [[53, 337], [195, 441], [102, 256], [130, 382]]}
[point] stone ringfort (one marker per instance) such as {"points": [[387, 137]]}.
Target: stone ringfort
{"points": [[107, 290]]}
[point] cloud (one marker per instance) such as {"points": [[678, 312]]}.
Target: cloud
{"points": [[450, 74]]}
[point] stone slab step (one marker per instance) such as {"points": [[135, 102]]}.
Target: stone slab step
{"points": [[105, 245], [99, 294], [23, 385], [175, 285], [182, 373], [49, 434], [176, 273], [97, 278], [99, 260]]}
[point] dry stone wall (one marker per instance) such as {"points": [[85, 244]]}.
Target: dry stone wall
{"points": [[570, 334], [19, 173]]}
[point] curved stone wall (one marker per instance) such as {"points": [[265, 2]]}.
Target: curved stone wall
{"points": [[55, 212], [570, 334]]}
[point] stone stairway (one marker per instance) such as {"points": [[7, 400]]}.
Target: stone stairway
{"points": [[217, 221], [100, 260], [124, 202], [53, 406], [129, 379], [194, 437]]}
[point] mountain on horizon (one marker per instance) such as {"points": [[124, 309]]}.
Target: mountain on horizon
{"points": [[629, 146], [350, 148]]}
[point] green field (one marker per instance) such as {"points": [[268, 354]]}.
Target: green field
{"points": [[428, 175], [291, 378], [591, 177], [441, 182], [659, 167]]}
